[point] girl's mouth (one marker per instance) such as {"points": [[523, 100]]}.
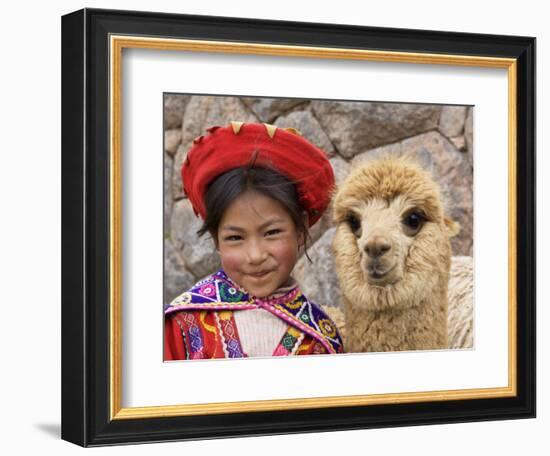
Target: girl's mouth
{"points": [[259, 274]]}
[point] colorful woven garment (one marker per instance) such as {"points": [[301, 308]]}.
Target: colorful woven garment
{"points": [[199, 324]]}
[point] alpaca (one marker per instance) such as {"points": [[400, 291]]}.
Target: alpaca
{"points": [[393, 257], [460, 315]]}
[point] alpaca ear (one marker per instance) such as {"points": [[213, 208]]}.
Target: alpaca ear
{"points": [[453, 228]]}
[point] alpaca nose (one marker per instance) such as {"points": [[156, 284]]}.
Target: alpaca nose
{"points": [[377, 246]]}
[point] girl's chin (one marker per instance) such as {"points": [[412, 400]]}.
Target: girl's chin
{"points": [[262, 285], [262, 292]]}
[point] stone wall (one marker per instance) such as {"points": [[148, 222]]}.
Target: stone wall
{"points": [[349, 132]]}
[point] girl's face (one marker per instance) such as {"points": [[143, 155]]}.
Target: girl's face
{"points": [[258, 243]]}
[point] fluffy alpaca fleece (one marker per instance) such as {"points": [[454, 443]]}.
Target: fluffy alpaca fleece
{"points": [[460, 322], [394, 278], [460, 314]]}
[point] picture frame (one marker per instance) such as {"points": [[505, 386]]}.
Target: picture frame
{"points": [[93, 42]]}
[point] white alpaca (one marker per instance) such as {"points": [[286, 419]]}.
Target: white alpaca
{"points": [[460, 312], [393, 259]]}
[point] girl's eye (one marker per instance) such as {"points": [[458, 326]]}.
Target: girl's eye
{"points": [[233, 238], [413, 222], [353, 222], [273, 232]]}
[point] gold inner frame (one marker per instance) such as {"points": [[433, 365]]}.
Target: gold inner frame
{"points": [[117, 44]]}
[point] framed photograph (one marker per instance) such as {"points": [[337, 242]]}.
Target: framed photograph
{"points": [[238, 193]]}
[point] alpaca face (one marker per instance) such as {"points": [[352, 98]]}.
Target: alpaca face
{"points": [[385, 232], [391, 245]]}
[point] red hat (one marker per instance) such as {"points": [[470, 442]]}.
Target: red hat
{"points": [[233, 146]]}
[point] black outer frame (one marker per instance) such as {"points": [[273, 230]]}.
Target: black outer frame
{"points": [[85, 227]]}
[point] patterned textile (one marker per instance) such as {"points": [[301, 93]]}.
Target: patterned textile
{"points": [[200, 324]]}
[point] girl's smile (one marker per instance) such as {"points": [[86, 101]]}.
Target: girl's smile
{"points": [[260, 274], [258, 243]]}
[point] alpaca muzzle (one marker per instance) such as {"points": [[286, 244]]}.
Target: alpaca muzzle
{"points": [[377, 246], [380, 272]]}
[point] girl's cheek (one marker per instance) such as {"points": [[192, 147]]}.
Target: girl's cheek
{"points": [[230, 258], [287, 250]]}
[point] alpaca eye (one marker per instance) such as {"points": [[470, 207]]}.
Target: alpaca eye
{"points": [[412, 222], [353, 222]]}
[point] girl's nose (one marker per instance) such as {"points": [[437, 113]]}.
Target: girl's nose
{"points": [[256, 253]]}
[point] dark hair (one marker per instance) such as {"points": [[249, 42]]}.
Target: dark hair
{"points": [[223, 190]]}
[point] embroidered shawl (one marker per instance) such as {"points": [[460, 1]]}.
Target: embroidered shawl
{"points": [[203, 316]]}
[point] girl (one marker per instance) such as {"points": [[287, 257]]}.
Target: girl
{"points": [[257, 188]]}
